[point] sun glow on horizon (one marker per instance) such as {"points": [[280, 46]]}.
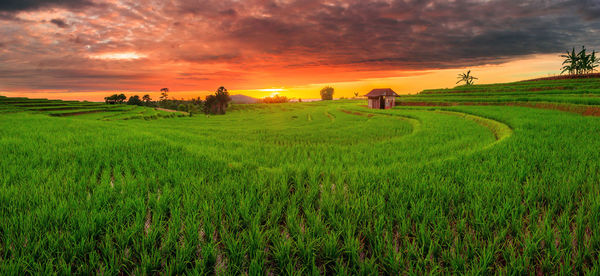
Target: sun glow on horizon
{"points": [[272, 90], [119, 56], [275, 91]]}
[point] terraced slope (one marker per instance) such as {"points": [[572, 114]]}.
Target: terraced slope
{"points": [[60, 108], [574, 95], [305, 188]]}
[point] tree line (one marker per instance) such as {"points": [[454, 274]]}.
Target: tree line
{"points": [[581, 62], [216, 103], [213, 104], [275, 99], [326, 95]]}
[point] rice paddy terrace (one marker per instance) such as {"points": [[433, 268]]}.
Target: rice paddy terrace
{"points": [[456, 181], [94, 110], [572, 95]]}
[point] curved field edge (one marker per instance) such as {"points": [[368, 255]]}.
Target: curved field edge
{"points": [[497, 129], [85, 110], [149, 207], [415, 122], [500, 130], [585, 110]]}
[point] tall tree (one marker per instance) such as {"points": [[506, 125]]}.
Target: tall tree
{"points": [[121, 98], [112, 99], [594, 62], [134, 100], [570, 63], [146, 98], [580, 62], [327, 93], [209, 104], [222, 99], [217, 103], [164, 94]]}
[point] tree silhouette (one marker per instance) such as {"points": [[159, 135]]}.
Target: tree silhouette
{"points": [[580, 62], [594, 62], [164, 94], [217, 103], [570, 63], [121, 98], [134, 100], [467, 78], [146, 98], [112, 99], [327, 93], [222, 99], [115, 98]]}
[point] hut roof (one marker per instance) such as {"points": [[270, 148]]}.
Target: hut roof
{"points": [[381, 92]]}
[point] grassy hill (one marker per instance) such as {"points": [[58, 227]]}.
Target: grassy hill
{"points": [[578, 95], [95, 110], [464, 184]]}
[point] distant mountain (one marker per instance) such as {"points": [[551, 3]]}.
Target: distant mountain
{"points": [[243, 99]]}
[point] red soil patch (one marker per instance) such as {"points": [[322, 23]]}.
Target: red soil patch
{"points": [[167, 110], [77, 113], [357, 113], [425, 103], [567, 77], [533, 89], [583, 110]]}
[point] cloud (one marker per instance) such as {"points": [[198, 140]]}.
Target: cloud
{"points": [[414, 34], [29, 5], [590, 9], [291, 40], [59, 23]]}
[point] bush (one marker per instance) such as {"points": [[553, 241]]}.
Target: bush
{"points": [[275, 99], [327, 93], [135, 100]]}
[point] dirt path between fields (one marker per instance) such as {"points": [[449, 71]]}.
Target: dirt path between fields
{"points": [[167, 110], [171, 110]]}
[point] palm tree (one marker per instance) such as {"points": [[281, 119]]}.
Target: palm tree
{"points": [[594, 62], [467, 78], [570, 63], [587, 63], [579, 63], [582, 61]]}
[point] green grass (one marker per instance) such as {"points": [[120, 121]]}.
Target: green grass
{"points": [[576, 91], [95, 110], [301, 188]]}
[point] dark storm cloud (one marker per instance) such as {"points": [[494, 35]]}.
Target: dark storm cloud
{"points": [[590, 9], [267, 36], [59, 23], [28, 5], [419, 34]]}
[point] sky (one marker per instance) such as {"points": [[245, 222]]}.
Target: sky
{"points": [[88, 49]]}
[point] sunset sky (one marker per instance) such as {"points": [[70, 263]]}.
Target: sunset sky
{"points": [[87, 49]]}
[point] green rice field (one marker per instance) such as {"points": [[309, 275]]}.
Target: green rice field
{"points": [[487, 179]]}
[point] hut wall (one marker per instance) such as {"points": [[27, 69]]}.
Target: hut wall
{"points": [[374, 103], [390, 102]]}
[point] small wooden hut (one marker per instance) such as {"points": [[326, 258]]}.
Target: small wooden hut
{"points": [[382, 98]]}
